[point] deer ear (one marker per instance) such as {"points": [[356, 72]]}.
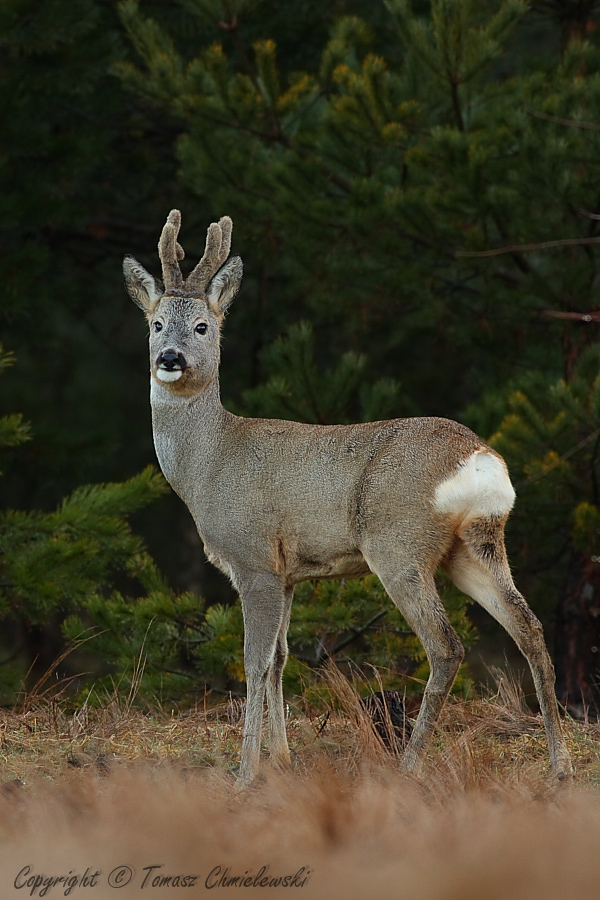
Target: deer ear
{"points": [[144, 289], [225, 284]]}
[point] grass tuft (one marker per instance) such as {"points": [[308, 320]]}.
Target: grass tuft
{"points": [[111, 785]]}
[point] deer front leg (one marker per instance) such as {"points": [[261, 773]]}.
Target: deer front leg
{"points": [[278, 745], [265, 608]]}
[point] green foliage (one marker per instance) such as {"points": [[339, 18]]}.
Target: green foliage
{"points": [[455, 44], [550, 435], [55, 563], [298, 389], [13, 429], [400, 201], [172, 648], [73, 200], [372, 185], [166, 647], [354, 623], [414, 191]]}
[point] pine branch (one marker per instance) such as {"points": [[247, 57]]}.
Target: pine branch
{"points": [[576, 316], [571, 452], [358, 632], [570, 123], [526, 248]]}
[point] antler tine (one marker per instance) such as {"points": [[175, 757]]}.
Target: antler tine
{"points": [[218, 244], [226, 229], [170, 251]]}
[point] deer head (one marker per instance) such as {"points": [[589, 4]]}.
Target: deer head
{"points": [[185, 315]]}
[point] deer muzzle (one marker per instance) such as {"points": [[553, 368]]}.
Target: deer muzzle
{"points": [[170, 365]]}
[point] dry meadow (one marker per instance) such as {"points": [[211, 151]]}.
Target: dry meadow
{"points": [[112, 799]]}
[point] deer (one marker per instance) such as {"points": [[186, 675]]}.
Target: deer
{"points": [[277, 502]]}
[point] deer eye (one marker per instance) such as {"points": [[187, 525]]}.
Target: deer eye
{"points": [[158, 326], [201, 328]]}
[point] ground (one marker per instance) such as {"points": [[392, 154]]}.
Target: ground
{"points": [[114, 797]]}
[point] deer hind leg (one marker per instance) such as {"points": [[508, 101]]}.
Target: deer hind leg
{"points": [[265, 608], [278, 745], [412, 588], [479, 567]]}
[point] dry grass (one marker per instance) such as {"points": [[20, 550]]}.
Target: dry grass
{"points": [[114, 787]]}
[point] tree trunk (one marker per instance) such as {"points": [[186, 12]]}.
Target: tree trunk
{"points": [[577, 642]]}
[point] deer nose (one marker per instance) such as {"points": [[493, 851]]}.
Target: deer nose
{"points": [[170, 360]]}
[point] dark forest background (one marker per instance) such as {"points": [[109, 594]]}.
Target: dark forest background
{"points": [[415, 190]]}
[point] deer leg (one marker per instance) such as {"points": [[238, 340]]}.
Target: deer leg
{"points": [[278, 745], [414, 593], [478, 566], [264, 607]]}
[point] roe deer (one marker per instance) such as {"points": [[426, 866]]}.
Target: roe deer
{"points": [[278, 502]]}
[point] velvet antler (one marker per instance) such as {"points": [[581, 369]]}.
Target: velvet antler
{"points": [[218, 245], [171, 252]]}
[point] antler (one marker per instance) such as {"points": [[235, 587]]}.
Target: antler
{"points": [[170, 251], [218, 245]]}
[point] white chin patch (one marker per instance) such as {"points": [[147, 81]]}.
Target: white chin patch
{"points": [[169, 374]]}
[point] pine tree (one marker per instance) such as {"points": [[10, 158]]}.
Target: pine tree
{"points": [[415, 181], [428, 197], [80, 182], [53, 563], [298, 388], [551, 437], [13, 430]]}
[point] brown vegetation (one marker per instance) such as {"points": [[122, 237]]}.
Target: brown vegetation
{"points": [[113, 787]]}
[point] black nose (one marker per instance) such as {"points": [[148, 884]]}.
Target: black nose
{"points": [[171, 360]]}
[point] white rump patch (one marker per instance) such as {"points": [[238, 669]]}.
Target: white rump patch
{"points": [[169, 374], [481, 487]]}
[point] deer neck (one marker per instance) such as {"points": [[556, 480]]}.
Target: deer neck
{"points": [[186, 431]]}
